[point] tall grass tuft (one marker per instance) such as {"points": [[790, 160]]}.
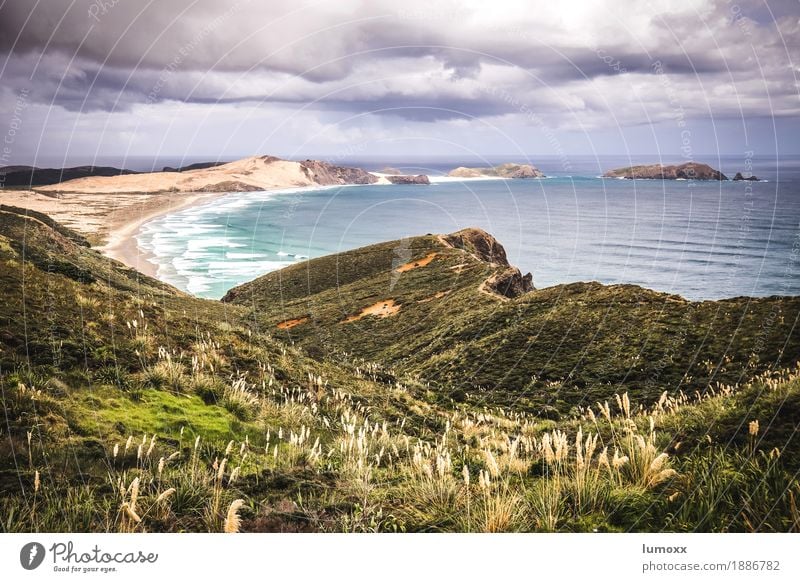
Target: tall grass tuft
{"points": [[232, 520]]}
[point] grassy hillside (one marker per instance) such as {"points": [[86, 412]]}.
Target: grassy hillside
{"points": [[130, 406], [549, 349]]}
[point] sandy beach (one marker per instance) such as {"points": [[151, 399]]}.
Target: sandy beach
{"points": [[110, 210], [121, 243], [109, 221]]}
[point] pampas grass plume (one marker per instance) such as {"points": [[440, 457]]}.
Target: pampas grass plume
{"points": [[232, 520], [165, 495]]}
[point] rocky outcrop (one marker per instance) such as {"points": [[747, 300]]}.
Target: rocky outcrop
{"points": [[687, 171], [480, 243], [326, 174], [518, 171], [738, 177], [508, 170], [403, 179], [509, 283]]}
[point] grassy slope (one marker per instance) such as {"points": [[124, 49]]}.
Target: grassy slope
{"points": [[65, 333], [556, 347], [94, 357]]}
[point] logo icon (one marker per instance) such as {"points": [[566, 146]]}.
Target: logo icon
{"points": [[31, 555]]}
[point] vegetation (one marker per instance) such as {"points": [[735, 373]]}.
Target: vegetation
{"points": [[130, 406], [550, 350]]}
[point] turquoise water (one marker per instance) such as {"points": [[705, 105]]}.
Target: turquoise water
{"points": [[702, 240]]}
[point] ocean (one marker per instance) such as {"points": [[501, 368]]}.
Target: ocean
{"points": [[701, 240]]}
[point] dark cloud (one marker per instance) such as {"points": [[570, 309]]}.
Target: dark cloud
{"points": [[421, 61]]}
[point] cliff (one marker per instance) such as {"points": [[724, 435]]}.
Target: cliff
{"points": [[326, 174], [479, 243]]}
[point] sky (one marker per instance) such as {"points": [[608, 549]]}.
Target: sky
{"points": [[91, 80]]}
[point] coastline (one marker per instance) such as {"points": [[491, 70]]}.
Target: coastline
{"points": [[124, 225]]}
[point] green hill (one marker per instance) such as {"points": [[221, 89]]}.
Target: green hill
{"points": [[386, 389], [554, 348]]}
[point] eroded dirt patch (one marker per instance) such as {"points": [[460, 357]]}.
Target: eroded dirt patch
{"points": [[416, 264], [385, 308], [290, 323]]}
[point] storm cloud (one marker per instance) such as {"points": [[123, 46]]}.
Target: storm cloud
{"points": [[580, 65]]}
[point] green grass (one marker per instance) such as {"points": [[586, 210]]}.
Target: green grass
{"points": [[370, 425], [105, 412]]}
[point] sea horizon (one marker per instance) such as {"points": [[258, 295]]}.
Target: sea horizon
{"points": [[552, 163]]}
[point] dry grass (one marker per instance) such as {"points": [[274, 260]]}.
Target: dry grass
{"points": [[232, 520], [489, 470]]}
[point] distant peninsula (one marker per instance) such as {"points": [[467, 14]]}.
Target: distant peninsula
{"points": [[509, 170], [687, 171], [249, 174], [30, 176]]}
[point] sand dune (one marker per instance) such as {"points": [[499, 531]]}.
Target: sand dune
{"points": [[254, 173]]}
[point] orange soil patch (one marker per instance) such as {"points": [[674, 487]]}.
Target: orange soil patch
{"points": [[438, 295], [384, 308], [416, 264], [290, 323]]}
